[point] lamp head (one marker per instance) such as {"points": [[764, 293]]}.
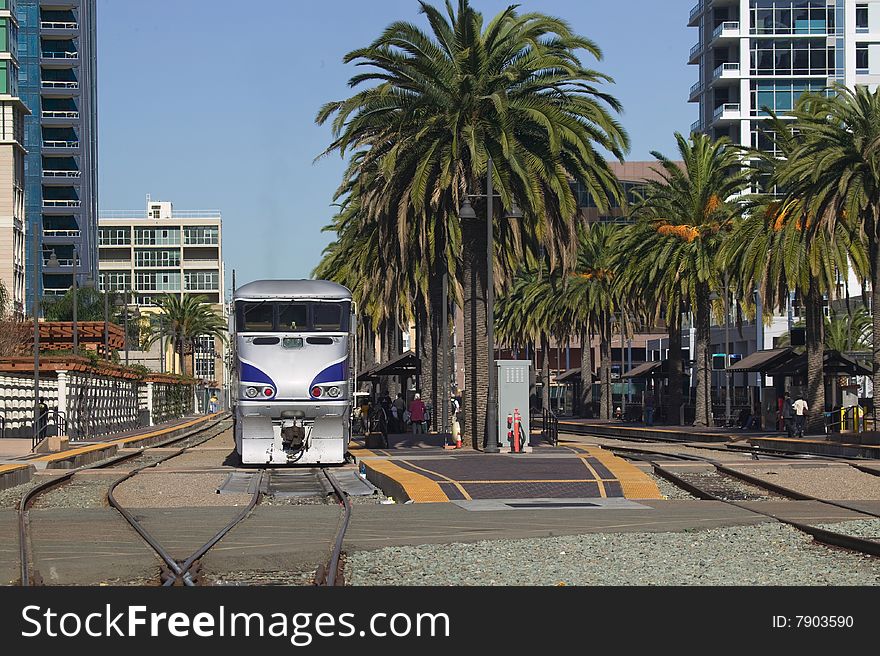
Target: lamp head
{"points": [[467, 211]]}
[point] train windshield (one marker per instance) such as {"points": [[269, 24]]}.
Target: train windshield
{"points": [[291, 316]]}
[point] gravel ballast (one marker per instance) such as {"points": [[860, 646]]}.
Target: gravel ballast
{"points": [[766, 554], [822, 481]]}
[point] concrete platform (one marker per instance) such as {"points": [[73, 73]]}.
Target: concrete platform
{"points": [[423, 473]]}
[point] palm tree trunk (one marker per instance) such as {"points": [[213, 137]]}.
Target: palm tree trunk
{"points": [[674, 392], [586, 371], [815, 359], [391, 349], [545, 372], [605, 399], [874, 251], [703, 407], [476, 373]]}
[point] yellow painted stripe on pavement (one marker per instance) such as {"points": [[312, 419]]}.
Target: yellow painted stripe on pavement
{"points": [[6, 468], [635, 483], [451, 480], [602, 492], [420, 489]]}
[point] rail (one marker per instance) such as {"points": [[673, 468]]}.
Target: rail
{"points": [[57, 143], [59, 84], [57, 113], [59, 55], [61, 203], [58, 25], [550, 427]]}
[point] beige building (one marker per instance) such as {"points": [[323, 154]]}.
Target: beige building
{"points": [[12, 113], [156, 251]]}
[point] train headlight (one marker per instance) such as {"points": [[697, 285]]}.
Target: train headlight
{"points": [[316, 391], [250, 392], [268, 391], [333, 391]]}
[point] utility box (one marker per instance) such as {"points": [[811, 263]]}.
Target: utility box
{"points": [[513, 399]]}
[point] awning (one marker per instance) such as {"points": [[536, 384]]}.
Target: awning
{"points": [[763, 361], [405, 364], [644, 370], [571, 375], [834, 364]]}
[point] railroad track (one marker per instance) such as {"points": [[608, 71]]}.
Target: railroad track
{"points": [[30, 575], [333, 572], [716, 487]]}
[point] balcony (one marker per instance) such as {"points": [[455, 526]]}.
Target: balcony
{"points": [[55, 113], [59, 54], [727, 30], [696, 10], [52, 234], [727, 71], [694, 56], [60, 144], [60, 263], [55, 291], [59, 25], [62, 174], [697, 126], [61, 203], [55, 84], [695, 92], [726, 112]]}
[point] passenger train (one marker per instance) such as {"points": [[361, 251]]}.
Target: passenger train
{"points": [[293, 341]]}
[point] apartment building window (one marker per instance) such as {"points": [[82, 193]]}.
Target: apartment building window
{"points": [[150, 281], [791, 17], [205, 367], [204, 345], [201, 280], [780, 96], [115, 281], [791, 57], [157, 258], [862, 58], [201, 235], [114, 237], [862, 19], [157, 236]]}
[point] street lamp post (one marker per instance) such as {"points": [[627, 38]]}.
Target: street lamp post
{"points": [[106, 292], [36, 311], [467, 212], [75, 330]]}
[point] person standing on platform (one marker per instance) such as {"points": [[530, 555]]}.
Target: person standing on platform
{"points": [[649, 408], [400, 405], [800, 415], [44, 417], [788, 414], [417, 414]]}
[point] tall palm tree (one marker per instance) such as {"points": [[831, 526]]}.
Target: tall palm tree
{"points": [[835, 168], [443, 103], [681, 223], [185, 319]]}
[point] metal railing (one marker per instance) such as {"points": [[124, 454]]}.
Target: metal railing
{"points": [[726, 67], [695, 88], [696, 126], [726, 107], [2, 426], [58, 25], [59, 55], [726, 26], [61, 233], [696, 9], [142, 214], [62, 174], [54, 113], [694, 50], [60, 144], [57, 84], [61, 203], [550, 427], [62, 262]]}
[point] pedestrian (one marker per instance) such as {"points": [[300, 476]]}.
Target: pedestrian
{"points": [[417, 414], [755, 418], [800, 415], [214, 403], [43, 417], [399, 405], [649, 408], [788, 414]]}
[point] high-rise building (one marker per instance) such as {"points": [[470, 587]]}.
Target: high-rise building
{"points": [[12, 117], [755, 55], [156, 251], [57, 51]]}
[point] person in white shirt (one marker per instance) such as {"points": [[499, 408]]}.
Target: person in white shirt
{"points": [[800, 408]]}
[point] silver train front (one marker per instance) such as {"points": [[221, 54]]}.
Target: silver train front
{"points": [[294, 396]]}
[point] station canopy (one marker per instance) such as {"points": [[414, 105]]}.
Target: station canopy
{"points": [[763, 361], [834, 364], [655, 369], [572, 375], [405, 364]]}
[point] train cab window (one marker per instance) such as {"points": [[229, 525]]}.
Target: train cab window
{"points": [[292, 316], [327, 317], [256, 317]]}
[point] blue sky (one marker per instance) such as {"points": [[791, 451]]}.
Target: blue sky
{"points": [[211, 104]]}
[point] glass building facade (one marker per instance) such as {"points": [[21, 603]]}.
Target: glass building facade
{"points": [[57, 53]]}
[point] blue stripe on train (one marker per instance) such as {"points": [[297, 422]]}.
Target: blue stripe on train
{"points": [[333, 374], [250, 374]]}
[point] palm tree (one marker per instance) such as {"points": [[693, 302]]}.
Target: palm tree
{"points": [[681, 223], [89, 306], [446, 101], [183, 319], [835, 169], [844, 331]]}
